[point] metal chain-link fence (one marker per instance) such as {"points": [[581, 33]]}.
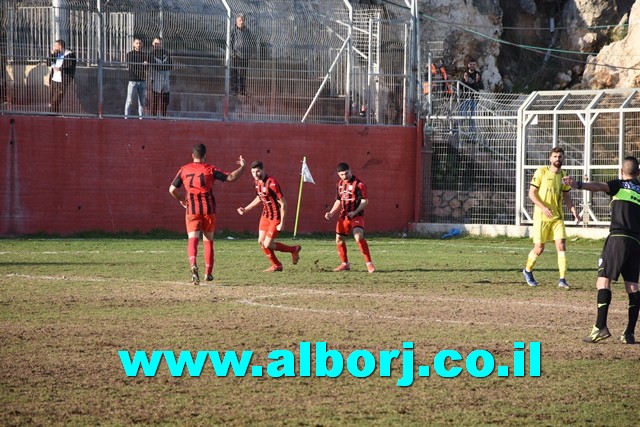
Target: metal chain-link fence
{"points": [[478, 166], [308, 60]]}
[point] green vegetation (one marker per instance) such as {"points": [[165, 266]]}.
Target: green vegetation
{"points": [[69, 305]]}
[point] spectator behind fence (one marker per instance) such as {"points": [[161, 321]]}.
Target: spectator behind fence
{"points": [[159, 71], [242, 45], [471, 78], [3, 79], [137, 61], [63, 69]]}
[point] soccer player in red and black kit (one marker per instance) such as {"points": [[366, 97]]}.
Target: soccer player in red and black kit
{"points": [[200, 204], [350, 201], [274, 210]]}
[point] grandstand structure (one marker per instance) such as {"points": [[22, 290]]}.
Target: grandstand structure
{"points": [[334, 62], [331, 61]]}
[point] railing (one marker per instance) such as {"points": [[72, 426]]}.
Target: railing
{"points": [[479, 164], [470, 155], [289, 75]]}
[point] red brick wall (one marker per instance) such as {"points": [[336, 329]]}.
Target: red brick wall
{"points": [[65, 175]]}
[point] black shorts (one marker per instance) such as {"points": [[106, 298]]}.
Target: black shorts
{"points": [[620, 256]]}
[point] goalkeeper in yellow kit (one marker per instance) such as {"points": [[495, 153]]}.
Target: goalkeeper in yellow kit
{"points": [[547, 192]]}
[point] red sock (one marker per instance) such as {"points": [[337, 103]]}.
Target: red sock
{"points": [[342, 251], [364, 248], [192, 250], [208, 256], [283, 248], [271, 255]]}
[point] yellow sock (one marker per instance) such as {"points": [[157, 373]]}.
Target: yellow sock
{"points": [[562, 264], [531, 260]]}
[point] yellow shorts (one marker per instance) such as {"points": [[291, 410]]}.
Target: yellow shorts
{"points": [[547, 231]]}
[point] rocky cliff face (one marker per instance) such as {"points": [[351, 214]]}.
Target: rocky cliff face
{"points": [[544, 44], [622, 54]]}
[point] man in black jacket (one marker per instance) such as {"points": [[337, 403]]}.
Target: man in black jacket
{"points": [[472, 84], [242, 45], [621, 253], [137, 61], [63, 69]]}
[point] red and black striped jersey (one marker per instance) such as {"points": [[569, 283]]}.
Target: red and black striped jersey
{"points": [[350, 193], [270, 194], [198, 181]]}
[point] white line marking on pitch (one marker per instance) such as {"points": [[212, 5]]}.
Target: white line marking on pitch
{"points": [[299, 292], [31, 277], [428, 298], [357, 313]]}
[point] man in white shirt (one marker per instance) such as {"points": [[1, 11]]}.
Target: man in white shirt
{"points": [[159, 69]]}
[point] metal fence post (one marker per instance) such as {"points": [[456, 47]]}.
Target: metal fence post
{"points": [[101, 50]]}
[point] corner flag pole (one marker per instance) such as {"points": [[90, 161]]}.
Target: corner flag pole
{"points": [[295, 225], [305, 176]]}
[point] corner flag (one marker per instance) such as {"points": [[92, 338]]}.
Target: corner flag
{"points": [[305, 176], [306, 173]]}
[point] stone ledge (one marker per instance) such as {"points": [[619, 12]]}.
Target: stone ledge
{"points": [[495, 230]]}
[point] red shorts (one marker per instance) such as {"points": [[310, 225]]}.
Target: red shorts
{"points": [[205, 223], [270, 226], [345, 225]]}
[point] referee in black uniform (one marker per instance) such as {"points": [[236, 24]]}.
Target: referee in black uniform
{"points": [[621, 252]]}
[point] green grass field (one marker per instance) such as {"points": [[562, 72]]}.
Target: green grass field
{"points": [[70, 304]]}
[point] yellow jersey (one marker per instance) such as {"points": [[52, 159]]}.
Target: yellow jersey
{"points": [[550, 193]]}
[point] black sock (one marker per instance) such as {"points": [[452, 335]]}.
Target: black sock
{"points": [[604, 299], [634, 308]]}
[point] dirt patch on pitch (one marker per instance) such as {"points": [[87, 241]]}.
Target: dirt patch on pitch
{"points": [[60, 362]]}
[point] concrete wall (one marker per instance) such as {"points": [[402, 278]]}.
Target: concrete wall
{"points": [[65, 175], [495, 230]]}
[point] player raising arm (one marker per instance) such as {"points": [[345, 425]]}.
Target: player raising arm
{"points": [[200, 204]]}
